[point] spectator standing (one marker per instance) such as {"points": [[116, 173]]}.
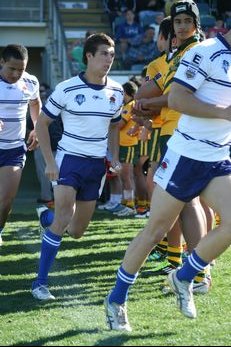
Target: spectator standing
{"points": [[117, 8], [142, 50], [125, 33], [149, 8]]}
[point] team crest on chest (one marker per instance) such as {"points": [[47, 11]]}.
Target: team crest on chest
{"points": [[80, 98], [112, 101], [225, 66], [194, 66]]}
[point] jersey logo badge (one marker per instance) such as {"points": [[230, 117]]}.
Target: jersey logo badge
{"points": [[191, 72], [80, 98], [225, 66], [194, 66], [96, 97], [112, 102]]}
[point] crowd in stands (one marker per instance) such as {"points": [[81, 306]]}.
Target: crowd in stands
{"points": [[135, 25]]}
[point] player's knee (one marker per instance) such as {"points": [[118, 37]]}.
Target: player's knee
{"points": [[76, 233], [5, 205], [155, 235]]}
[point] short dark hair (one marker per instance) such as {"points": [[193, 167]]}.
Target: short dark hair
{"points": [[18, 52], [93, 42], [130, 88], [165, 27]]}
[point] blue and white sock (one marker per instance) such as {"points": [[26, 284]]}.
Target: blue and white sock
{"points": [[46, 218], [192, 265], [1, 231], [124, 280], [50, 246]]}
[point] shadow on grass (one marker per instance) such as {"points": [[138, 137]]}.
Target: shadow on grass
{"points": [[120, 340], [56, 338]]}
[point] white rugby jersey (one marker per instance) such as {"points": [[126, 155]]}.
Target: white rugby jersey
{"points": [[86, 111], [14, 99], [206, 70]]}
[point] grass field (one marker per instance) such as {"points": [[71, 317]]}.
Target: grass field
{"points": [[81, 277]]}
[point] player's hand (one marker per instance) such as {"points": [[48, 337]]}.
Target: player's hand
{"points": [[115, 166], [133, 131], [32, 141], [52, 171]]}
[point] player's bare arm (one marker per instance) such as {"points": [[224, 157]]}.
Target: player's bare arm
{"points": [[183, 100], [45, 144]]}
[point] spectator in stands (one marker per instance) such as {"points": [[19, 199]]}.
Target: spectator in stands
{"points": [[218, 28], [124, 33], [148, 10], [150, 5], [142, 49], [117, 8], [77, 53], [156, 24]]}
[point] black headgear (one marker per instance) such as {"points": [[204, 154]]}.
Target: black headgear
{"points": [[188, 7]]}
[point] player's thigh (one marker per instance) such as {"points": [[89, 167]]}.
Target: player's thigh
{"points": [[82, 216], [10, 177], [218, 196], [164, 211]]}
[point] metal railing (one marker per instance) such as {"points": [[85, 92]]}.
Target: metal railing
{"points": [[57, 46]]}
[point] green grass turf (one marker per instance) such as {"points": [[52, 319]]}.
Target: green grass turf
{"points": [[82, 275]]}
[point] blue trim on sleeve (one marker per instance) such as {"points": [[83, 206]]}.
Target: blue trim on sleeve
{"points": [[116, 120], [47, 113], [184, 84]]}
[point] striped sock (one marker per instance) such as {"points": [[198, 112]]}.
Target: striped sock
{"points": [[46, 218], [124, 280], [50, 246], [162, 246], [192, 265], [203, 274], [174, 255]]}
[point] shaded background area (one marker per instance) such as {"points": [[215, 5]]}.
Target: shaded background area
{"points": [[28, 193]]}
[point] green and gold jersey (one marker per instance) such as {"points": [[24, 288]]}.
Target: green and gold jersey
{"points": [[170, 117], [156, 71], [125, 139]]}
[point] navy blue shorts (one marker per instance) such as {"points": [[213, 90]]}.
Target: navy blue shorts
{"points": [[85, 175], [186, 178], [13, 157]]}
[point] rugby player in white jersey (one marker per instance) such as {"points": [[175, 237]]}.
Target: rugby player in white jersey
{"points": [[90, 106], [18, 89], [197, 162]]}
